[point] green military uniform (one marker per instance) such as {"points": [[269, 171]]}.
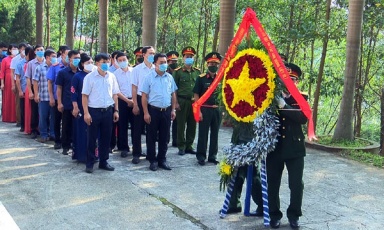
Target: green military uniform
{"points": [[289, 151], [242, 134], [185, 80], [211, 120]]}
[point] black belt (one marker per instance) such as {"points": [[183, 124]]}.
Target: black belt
{"points": [[185, 97], [102, 109], [160, 109]]}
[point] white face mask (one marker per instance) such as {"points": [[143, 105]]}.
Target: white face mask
{"points": [[22, 53], [15, 52], [89, 67]]}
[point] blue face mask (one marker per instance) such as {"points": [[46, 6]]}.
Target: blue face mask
{"points": [[40, 54], [66, 59], [53, 60], [163, 67], [123, 64], [151, 58], [4, 53], [189, 61], [76, 62], [104, 67]]}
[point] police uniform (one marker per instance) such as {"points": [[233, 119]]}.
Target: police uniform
{"points": [[289, 151], [138, 56], [172, 58], [210, 112], [185, 79]]}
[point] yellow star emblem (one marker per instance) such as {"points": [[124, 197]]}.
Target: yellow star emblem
{"points": [[243, 87]]}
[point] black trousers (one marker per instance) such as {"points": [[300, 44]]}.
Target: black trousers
{"points": [[114, 132], [137, 129], [22, 113], [125, 117], [34, 117], [66, 137], [159, 127], [57, 127], [100, 129]]}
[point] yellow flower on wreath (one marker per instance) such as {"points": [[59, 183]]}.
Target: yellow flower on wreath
{"points": [[243, 86]]}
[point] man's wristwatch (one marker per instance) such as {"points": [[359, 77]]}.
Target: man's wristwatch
{"points": [[116, 110]]}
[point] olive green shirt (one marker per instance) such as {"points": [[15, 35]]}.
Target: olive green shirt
{"points": [[185, 81], [203, 82]]}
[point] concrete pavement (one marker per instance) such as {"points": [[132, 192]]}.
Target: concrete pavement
{"points": [[43, 189]]}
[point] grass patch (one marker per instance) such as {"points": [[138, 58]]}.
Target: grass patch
{"points": [[327, 140], [367, 158]]}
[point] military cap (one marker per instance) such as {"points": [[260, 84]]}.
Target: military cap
{"points": [[213, 57], [293, 70], [188, 50], [138, 51], [172, 55]]}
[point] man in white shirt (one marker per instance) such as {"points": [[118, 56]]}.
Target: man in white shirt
{"points": [[14, 62], [124, 79], [138, 75], [99, 99]]}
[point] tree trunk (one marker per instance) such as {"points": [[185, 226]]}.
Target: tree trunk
{"points": [[39, 21], [290, 26], [70, 8], [344, 126], [81, 25], [382, 123], [150, 8], [227, 23], [103, 28], [199, 29], [322, 64], [76, 16], [48, 23], [216, 34]]}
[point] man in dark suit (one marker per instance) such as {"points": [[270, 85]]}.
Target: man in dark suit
{"points": [[290, 151]]}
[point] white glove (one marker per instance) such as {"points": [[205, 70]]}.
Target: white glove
{"points": [[280, 102]]}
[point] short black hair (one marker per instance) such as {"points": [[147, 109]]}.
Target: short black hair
{"points": [[101, 56], [22, 45], [83, 58], [114, 53], [159, 55], [3, 45], [145, 48], [48, 53], [72, 52], [10, 47], [37, 46], [62, 49], [120, 54]]}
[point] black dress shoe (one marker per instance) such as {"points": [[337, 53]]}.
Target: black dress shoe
{"points": [[201, 162], [234, 210], [257, 212], [164, 165], [135, 160], [274, 223], [213, 161], [153, 166], [57, 146], [124, 154], [190, 151], [89, 170], [65, 151], [181, 152], [294, 224], [143, 154], [107, 167]]}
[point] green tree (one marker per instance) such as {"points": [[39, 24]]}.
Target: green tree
{"points": [[3, 24], [23, 19]]}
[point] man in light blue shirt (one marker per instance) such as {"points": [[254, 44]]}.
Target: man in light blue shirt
{"points": [[158, 101]]}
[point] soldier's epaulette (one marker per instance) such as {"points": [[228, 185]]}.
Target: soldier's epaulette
{"points": [[203, 75], [177, 68], [196, 68]]}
